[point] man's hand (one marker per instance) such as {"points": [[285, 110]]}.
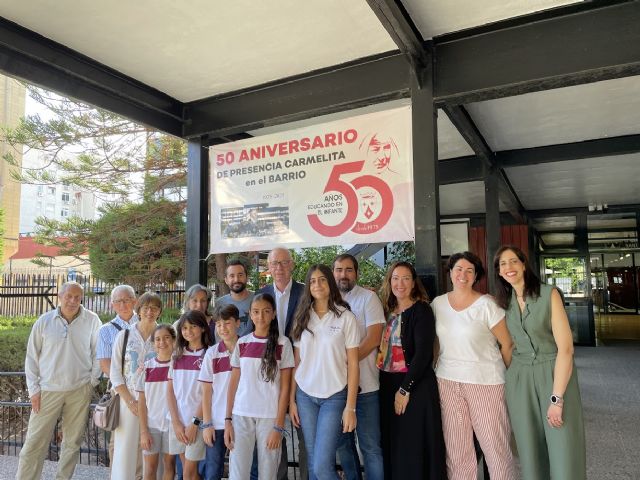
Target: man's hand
{"points": [[35, 403]]}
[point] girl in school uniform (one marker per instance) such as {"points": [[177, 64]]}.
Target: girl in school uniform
{"points": [[214, 380], [184, 394], [258, 394], [152, 406]]}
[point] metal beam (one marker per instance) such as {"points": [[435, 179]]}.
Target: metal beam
{"points": [[398, 24], [27, 55], [460, 170], [341, 87], [197, 213], [603, 147], [543, 53]]}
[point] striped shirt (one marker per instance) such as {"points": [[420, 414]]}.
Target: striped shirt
{"points": [[216, 369], [184, 373], [247, 356], [107, 336], [154, 385]]}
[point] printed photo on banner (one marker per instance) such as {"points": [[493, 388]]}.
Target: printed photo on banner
{"points": [[348, 181]]}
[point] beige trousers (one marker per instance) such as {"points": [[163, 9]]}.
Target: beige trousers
{"points": [[73, 407]]}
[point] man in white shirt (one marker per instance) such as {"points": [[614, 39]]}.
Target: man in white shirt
{"points": [[61, 369], [368, 310]]}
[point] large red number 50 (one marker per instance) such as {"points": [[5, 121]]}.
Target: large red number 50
{"points": [[348, 190]]}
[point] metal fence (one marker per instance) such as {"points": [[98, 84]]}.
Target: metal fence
{"points": [[34, 294], [15, 420]]}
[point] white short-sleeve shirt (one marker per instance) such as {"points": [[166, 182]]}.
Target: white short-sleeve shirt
{"points": [[322, 371], [469, 352], [184, 373], [367, 308], [216, 369], [154, 385], [257, 397]]}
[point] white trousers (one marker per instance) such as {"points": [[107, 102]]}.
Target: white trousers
{"points": [[249, 433], [126, 451]]}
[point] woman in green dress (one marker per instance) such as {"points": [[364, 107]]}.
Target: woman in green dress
{"points": [[541, 383]]}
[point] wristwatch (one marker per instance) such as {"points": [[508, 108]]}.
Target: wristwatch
{"points": [[196, 421], [556, 400], [403, 392]]}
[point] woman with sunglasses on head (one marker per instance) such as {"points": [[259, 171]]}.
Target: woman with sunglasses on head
{"points": [[410, 424], [541, 383]]}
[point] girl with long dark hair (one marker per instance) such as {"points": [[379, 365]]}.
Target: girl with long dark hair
{"points": [[258, 393], [325, 385], [184, 393], [410, 424], [541, 383]]}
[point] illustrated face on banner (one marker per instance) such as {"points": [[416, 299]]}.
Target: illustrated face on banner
{"points": [[380, 151]]}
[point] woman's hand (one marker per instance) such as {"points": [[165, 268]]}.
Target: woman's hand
{"points": [[190, 433], [400, 403], [145, 440], [209, 436], [349, 420], [554, 416], [274, 439], [229, 435], [178, 429], [293, 413], [132, 404]]}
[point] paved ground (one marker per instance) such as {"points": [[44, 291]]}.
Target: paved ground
{"points": [[610, 384]]}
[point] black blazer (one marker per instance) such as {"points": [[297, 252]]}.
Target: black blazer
{"points": [[418, 334], [297, 290]]}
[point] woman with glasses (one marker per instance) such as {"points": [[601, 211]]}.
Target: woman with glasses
{"points": [[137, 344]]}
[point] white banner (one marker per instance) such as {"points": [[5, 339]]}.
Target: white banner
{"points": [[343, 182]]}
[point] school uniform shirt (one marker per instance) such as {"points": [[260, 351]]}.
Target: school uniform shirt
{"points": [[184, 373], [322, 371], [216, 369], [256, 397], [367, 308], [469, 352], [154, 385]]}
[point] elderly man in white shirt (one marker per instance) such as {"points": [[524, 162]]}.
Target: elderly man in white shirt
{"points": [[61, 371]]}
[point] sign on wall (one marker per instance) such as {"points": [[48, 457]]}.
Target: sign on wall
{"points": [[344, 182]]}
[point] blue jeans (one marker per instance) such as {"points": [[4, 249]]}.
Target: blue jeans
{"points": [[321, 420], [368, 432], [211, 468]]}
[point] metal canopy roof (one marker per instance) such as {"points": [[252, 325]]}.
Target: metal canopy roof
{"points": [[545, 91]]}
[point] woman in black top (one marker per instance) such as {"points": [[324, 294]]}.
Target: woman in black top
{"points": [[410, 423]]}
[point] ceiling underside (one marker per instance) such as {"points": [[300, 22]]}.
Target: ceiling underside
{"points": [[546, 91]]}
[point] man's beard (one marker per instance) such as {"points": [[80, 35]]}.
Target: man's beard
{"points": [[345, 286], [238, 287]]}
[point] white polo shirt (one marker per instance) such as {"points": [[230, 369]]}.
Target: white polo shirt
{"points": [[469, 351], [184, 373], [154, 385], [367, 308], [322, 371], [216, 369]]}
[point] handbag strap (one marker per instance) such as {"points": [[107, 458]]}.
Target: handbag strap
{"points": [[124, 348]]}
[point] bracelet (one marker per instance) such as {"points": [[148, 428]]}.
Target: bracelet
{"points": [[228, 419], [280, 430], [350, 409]]}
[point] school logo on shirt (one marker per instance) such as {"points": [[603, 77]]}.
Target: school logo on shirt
{"points": [[335, 329]]}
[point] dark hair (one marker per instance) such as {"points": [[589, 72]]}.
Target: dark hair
{"points": [[302, 315], [503, 288], [469, 257], [225, 312], [197, 318], [269, 362], [346, 256], [167, 327], [236, 261], [389, 300], [148, 298]]}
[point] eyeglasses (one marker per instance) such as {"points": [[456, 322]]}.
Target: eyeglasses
{"points": [[122, 301], [281, 264]]}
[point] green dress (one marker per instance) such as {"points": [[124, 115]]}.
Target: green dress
{"points": [[545, 452]]}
